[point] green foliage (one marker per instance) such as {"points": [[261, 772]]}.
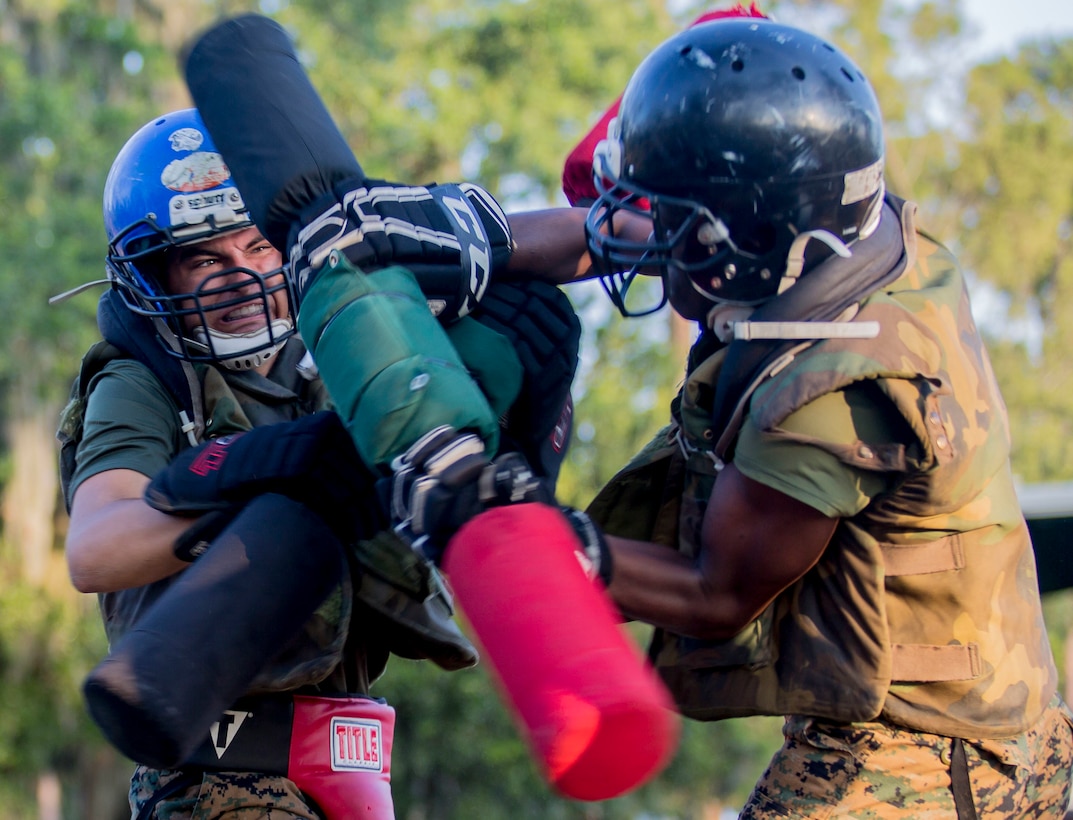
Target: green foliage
{"points": [[498, 91], [47, 645], [630, 372], [450, 733], [66, 106], [1011, 183], [495, 92]]}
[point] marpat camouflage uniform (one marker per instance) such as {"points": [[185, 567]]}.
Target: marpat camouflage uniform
{"points": [[921, 622], [230, 795]]}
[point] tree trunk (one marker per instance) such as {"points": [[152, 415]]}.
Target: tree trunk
{"points": [[49, 802], [683, 334], [31, 493]]}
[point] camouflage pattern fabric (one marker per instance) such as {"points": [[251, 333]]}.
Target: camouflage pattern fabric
{"points": [[403, 599], [921, 622], [226, 795], [852, 641], [869, 771]]}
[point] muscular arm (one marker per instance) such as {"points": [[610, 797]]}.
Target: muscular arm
{"points": [[550, 244], [116, 540], [756, 541]]}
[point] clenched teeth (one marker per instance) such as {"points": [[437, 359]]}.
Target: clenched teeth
{"points": [[253, 309]]}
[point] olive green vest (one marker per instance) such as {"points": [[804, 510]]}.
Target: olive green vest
{"points": [[396, 603], [316, 655], [924, 609]]}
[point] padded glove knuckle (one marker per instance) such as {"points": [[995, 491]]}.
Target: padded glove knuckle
{"points": [[450, 236], [434, 489]]}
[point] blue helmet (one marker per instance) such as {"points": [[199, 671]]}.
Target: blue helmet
{"points": [[169, 187]]}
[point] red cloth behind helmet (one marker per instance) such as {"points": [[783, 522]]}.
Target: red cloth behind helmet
{"points": [[577, 171]]}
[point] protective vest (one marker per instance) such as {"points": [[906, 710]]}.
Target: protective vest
{"points": [[398, 601], [924, 608]]}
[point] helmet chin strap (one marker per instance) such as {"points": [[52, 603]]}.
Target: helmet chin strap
{"points": [[731, 322], [232, 349], [724, 318], [795, 259]]}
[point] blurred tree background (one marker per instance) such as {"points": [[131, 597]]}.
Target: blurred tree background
{"points": [[495, 91]]}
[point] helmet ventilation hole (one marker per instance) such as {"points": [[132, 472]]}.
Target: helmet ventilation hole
{"points": [[733, 183]]}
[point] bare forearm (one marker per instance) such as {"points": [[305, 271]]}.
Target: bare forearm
{"points": [[656, 584], [756, 542], [119, 542], [550, 245]]}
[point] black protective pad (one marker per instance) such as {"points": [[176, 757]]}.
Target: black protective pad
{"points": [[545, 332], [253, 735], [1052, 539], [202, 643], [269, 123]]}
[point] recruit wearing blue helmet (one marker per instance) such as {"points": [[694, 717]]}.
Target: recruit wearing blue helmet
{"points": [[169, 189]]}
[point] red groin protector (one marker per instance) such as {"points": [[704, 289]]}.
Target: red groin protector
{"points": [[340, 755]]}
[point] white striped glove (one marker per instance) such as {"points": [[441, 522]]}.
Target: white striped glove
{"points": [[450, 236], [594, 554]]}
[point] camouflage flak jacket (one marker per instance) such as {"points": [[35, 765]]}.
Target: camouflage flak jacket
{"points": [[924, 609]]}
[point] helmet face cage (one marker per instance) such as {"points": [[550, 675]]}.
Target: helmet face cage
{"points": [[742, 136], [227, 289], [687, 239], [168, 188], [618, 260]]}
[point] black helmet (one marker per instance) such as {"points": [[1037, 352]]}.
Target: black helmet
{"points": [[740, 136]]}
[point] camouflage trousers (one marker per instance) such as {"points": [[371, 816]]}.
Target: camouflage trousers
{"points": [[877, 770], [226, 795]]}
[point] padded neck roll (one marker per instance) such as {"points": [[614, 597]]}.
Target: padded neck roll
{"points": [[202, 643], [597, 718], [269, 123]]}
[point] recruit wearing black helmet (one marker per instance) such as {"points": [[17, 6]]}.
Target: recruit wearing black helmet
{"points": [[746, 139]]}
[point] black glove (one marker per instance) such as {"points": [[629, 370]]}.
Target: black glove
{"points": [[312, 460], [544, 329], [445, 479], [198, 537], [450, 236]]}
